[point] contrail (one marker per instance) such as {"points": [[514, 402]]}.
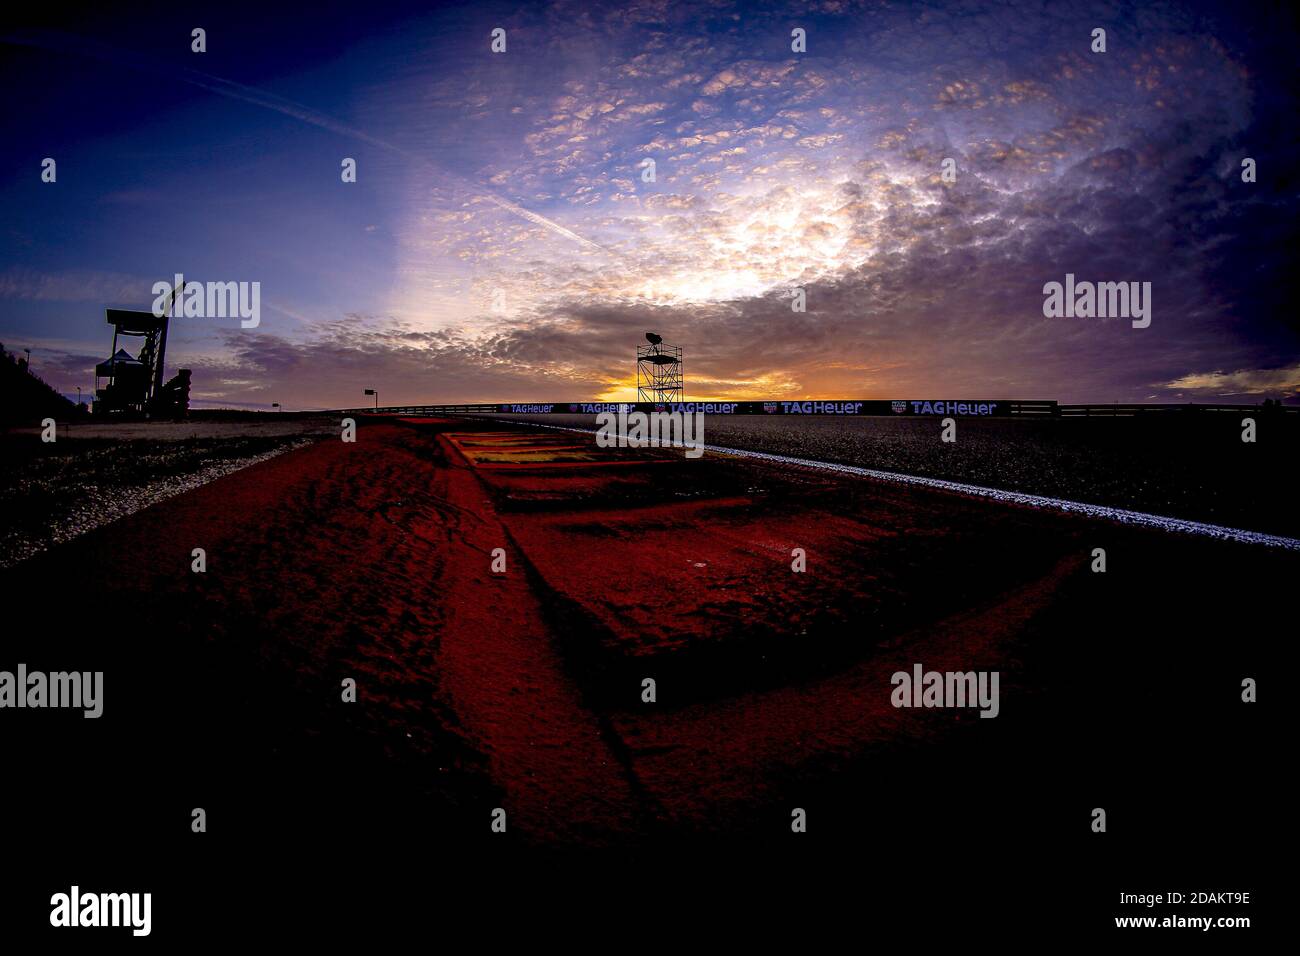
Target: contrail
{"points": [[68, 43], [541, 221]]}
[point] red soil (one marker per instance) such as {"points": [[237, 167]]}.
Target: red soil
{"points": [[373, 560]]}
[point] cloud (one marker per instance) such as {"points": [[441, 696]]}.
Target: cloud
{"points": [[1262, 381], [822, 172], [766, 181], [74, 285]]}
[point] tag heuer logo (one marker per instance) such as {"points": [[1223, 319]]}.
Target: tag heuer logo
{"points": [[769, 407], [898, 407]]}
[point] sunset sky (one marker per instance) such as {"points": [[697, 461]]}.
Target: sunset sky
{"points": [[519, 175]]}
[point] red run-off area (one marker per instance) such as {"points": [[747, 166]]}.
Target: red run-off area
{"points": [[523, 690]]}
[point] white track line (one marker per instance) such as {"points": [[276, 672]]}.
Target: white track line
{"points": [[1122, 515]]}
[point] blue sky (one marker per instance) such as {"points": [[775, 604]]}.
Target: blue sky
{"points": [[501, 243]]}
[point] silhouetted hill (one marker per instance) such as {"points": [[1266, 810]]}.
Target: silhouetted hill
{"points": [[26, 398]]}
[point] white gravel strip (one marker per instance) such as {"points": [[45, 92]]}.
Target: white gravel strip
{"points": [[1120, 515], [98, 510]]}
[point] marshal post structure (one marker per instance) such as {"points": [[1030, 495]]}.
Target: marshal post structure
{"points": [[659, 372]]}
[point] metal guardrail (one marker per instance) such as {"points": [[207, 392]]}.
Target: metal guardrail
{"points": [[1036, 409], [1120, 410], [1021, 409], [971, 408]]}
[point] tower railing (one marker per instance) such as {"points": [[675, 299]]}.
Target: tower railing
{"points": [[659, 373]]}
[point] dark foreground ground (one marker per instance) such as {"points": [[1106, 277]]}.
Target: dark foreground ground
{"points": [[522, 691]]}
